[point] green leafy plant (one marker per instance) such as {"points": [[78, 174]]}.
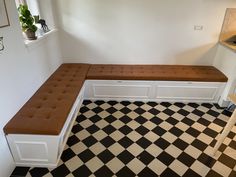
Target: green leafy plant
{"points": [[26, 19]]}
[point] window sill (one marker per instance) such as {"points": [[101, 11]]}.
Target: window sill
{"points": [[29, 43]]}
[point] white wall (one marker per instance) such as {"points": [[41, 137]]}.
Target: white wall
{"points": [[225, 61], [22, 71], [140, 31], [47, 12]]}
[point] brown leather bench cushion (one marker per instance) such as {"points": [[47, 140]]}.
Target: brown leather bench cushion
{"points": [[156, 72], [46, 112]]}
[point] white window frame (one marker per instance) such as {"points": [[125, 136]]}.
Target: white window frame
{"points": [[33, 5]]}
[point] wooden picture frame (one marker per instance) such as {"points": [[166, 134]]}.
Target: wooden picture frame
{"points": [[4, 20]]}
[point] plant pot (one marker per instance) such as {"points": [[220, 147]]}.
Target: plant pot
{"points": [[30, 35]]}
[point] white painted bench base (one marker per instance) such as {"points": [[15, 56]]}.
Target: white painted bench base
{"points": [[45, 150], [158, 91]]}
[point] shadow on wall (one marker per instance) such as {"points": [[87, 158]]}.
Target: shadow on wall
{"points": [[79, 48], [202, 55]]}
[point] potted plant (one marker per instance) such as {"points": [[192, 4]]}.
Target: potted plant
{"points": [[27, 22]]}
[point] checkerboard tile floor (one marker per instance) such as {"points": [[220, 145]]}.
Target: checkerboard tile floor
{"points": [[150, 139]]}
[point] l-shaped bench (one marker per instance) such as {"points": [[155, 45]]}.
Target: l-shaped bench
{"points": [[38, 133]]}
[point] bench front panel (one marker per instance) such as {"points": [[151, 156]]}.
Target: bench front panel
{"points": [[174, 91]]}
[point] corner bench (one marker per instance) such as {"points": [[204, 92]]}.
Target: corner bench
{"points": [[38, 133]]}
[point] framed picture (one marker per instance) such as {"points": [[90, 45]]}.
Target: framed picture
{"points": [[4, 20]]}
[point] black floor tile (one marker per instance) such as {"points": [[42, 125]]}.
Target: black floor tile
{"points": [[67, 155], [125, 172], [105, 156], [89, 141], [207, 160], [228, 161], [162, 143], [145, 157], [103, 171], [159, 131], [199, 144], [86, 155], [125, 157], [125, 142], [142, 130], [147, 172], [72, 140], [38, 172], [213, 174], [125, 130], [180, 144], [186, 159], [109, 129], [191, 173], [166, 158], [82, 170], [168, 172], [176, 131], [60, 171], [108, 141], [20, 171], [144, 143]]}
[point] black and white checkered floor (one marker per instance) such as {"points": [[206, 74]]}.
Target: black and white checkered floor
{"points": [[128, 139]]}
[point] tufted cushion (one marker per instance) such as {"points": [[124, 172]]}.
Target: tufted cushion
{"points": [[47, 110], [156, 72]]}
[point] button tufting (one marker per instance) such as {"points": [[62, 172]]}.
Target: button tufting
{"points": [[64, 97]]}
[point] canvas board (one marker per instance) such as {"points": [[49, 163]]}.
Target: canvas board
{"points": [[4, 21]]}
